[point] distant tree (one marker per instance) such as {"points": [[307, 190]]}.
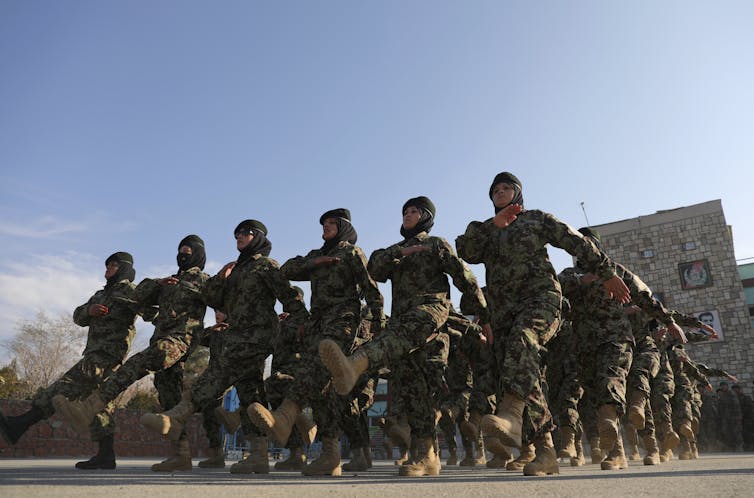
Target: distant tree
{"points": [[45, 348], [11, 387]]}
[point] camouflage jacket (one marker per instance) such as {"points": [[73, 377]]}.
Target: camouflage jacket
{"points": [[248, 297], [515, 257], [181, 306], [421, 277], [112, 333], [337, 287]]}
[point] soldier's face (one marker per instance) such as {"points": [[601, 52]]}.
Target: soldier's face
{"points": [[111, 269], [411, 217], [329, 228], [243, 240], [185, 250], [503, 194]]}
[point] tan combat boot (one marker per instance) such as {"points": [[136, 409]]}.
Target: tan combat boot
{"points": [[358, 461], [608, 427], [328, 463], [215, 459], [637, 401], [468, 453], [616, 458], [567, 443], [403, 458], [596, 452], [170, 423], [452, 457], [632, 438], [670, 440], [579, 460], [506, 425], [256, 462], [180, 459], [694, 450], [79, 413], [470, 428], [295, 461], [345, 370], [277, 424], [306, 427], [546, 460], [685, 429], [527, 454], [653, 452], [684, 450], [425, 461], [501, 454], [230, 420]]}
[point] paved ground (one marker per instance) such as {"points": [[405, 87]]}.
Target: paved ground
{"points": [[715, 475]]}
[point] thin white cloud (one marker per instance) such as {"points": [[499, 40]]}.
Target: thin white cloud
{"points": [[42, 228]]}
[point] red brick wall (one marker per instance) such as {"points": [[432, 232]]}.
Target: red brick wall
{"points": [[55, 438]]}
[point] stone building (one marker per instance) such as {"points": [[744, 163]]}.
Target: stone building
{"points": [[686, 256]]}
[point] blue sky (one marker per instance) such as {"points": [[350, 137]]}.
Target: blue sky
{"points": [[127, 125]]}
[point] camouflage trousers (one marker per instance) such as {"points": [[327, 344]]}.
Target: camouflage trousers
{"points": [[354, 420], [78, 382], [277, 385], [645, 366], [520, 335], [564, 389], [311, 385], [162, 354], [241, 364], [682, 398], [663, 388], [459, 379]]}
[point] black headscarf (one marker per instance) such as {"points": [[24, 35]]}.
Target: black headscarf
{"points": [[513, 181], [427, 220], [197, 257], [125, 268], [260, 244], [346, 231]]}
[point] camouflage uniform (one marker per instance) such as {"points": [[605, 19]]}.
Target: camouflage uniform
{"points": [[645, 366], [247, 296], [335, 314], [212, 339], [563, 383], [525, 297], [108, 342]]}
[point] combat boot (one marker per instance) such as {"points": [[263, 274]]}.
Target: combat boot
{"points": [[670, 439], [256, 462], [501, 454], [653, 452], [358, 461], [596, 452], [452, 457], [470, 428], [579, 460], [215, 459], [616, 458], [13, 427], [633, 442], [636, 415], [230, 420], [104, 459], [684, 450], [468, 450], [567, 443], [400, 432], [306, 427], [79, 413], [403, 458], [685, 429], [546, 460], [171, 422], [694, 450], [527, 454], [296, 461], [425, 461], [506, 425], [328, 463], [180, 459], [277, 424], [345, 370], [608, 427]]}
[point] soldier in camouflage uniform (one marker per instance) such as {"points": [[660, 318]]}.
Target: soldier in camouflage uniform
{"points": [[110, 316], [181, 315], [246, 290], [418, 268], [730, 418], [339, 277], [525, 300]]}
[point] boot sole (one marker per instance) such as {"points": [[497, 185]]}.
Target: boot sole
{"points": [[263, 419], [337, 364], [638, 419], [491, 427]]}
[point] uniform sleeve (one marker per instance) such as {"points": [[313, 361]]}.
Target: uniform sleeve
{"points": [[299, 268], [570, 281], [383, 262], [369, 287], [641, 295], [148, 292], [472, 245], [563, 236], [293, 303], [463, 279], [81, 315], [214, 292]]}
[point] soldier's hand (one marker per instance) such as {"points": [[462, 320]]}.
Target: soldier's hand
{"points": [[225, 270], [486, 335], [708, 387], [732, 378], [677, 332], [98, 310], [325, 260], [617, 289], [168, 281], [507, 215], [408, 251]]}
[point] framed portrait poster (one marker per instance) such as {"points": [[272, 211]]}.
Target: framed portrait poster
{"points": [[712, 318], [695, 274]]}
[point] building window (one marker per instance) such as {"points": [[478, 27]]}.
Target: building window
{"points": [[648, 253], [688, 246]]}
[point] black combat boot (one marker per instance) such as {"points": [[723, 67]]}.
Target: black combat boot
{"points": [[12, 428], [104, 459]]}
